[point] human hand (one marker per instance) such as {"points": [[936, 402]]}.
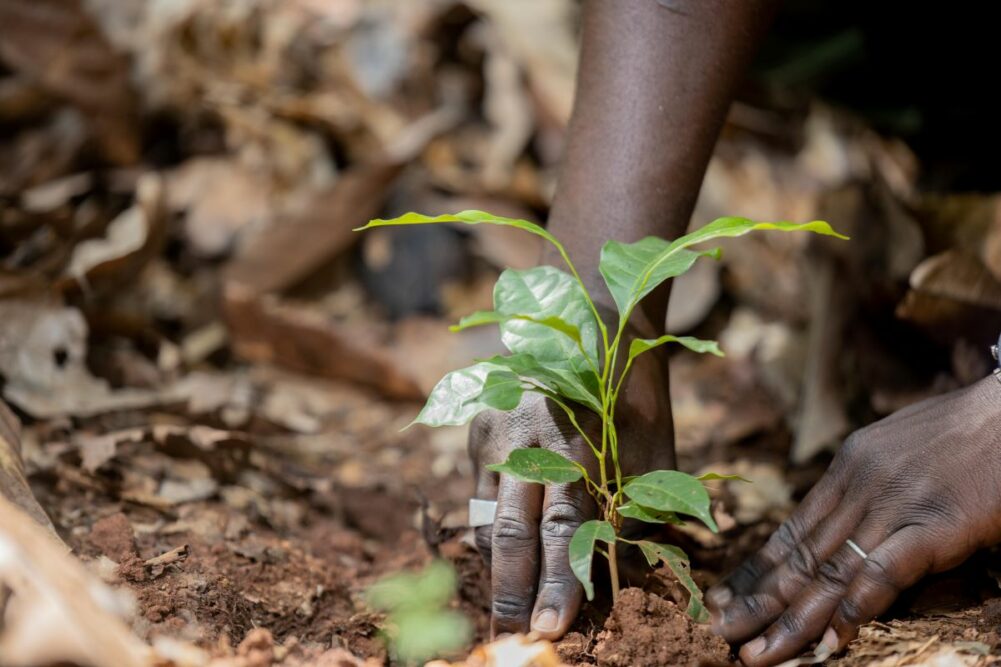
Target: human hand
{"points": [[918, 492], [527, 546]]}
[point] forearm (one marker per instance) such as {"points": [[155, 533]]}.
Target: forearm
{"points": [[653, 88]]}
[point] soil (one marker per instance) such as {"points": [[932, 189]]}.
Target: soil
{"points": [[645, 629], [291, 539]]}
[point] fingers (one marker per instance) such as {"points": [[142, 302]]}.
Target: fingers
{"points": [[515, 551], [560, 594], [483, 451], [805, 619], [744, 581], [777, 589], [486, 488], [897, 564]]}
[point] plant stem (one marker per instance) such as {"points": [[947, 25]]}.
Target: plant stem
{"points": [[613, 569]]}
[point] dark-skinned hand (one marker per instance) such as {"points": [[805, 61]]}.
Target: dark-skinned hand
{"points": [[527, 546], [919, 492]]}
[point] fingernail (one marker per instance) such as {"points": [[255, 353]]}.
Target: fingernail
{"points": [[719, 597], [546, 620], [756, 647], [830, 641]]}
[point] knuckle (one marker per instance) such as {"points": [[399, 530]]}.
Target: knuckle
{"points": [[852, 448], [789, 533], [483, 539], [508, 607], [833, 575], [561, 519], [791, 623], [879, 572], [850, 612], [750, 570], [558, 580], [511, 531], [753, 606], [562, 511], [803, 562]]}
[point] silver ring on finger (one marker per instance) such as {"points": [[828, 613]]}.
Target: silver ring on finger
{"points": [[857, 549]]}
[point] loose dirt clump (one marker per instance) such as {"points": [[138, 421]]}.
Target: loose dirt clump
{"points": [[644, 629], [113, 537]]}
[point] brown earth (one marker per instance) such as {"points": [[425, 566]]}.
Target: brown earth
{"points": [[290, 540]]}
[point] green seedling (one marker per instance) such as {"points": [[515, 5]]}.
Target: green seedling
{"points": [[419, 624], [562, 349]]}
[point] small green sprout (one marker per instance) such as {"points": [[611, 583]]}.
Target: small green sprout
{"points": [[419, 624], [562, 349]]}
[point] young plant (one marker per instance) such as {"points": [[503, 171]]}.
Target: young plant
{"points": [[560, 348], [419, 624]]}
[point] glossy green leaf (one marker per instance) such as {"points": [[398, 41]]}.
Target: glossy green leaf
{"points": [[641, 345], [633, 270], [621, 263], [634, 510], [542, 466], [502, 390], [470, 217], [582, 550], [672, 491], [713, 476], [677, 562], [554, 377], [486, 317], [539, 293], [459, 396]]}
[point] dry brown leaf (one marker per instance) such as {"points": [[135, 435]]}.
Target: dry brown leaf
{"points": [[130, 238], [539, 35], [56, 45], [953, 295], [768, 496], [43, 351], [98, 449], [221, 199], [509, 111]]}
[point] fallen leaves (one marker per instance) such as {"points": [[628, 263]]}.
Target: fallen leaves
{"points": [[58, 612]]}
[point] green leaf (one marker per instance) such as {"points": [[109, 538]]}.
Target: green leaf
{"points": [[634, 510], [540, 293], [548, 325], [556, 378], [418, 636], [432, 587], [712, 476], [418, 625], [582, 550], [633, 270], [502, 390], [463, 394], [484, 317], [672, 491], [677, 562], [470, 217], [541, 466], [641, 345], [621, 263]]}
